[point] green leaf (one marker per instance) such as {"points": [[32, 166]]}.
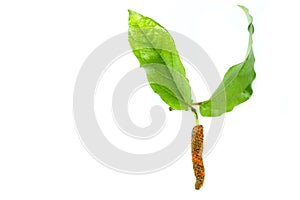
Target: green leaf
{"points": [[235, 87], [155, 49]]}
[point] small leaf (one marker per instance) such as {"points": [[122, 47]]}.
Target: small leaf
{"points": [[155, 49], [236, 85]]}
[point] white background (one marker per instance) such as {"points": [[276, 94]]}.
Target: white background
{"points": [[42, 47]]}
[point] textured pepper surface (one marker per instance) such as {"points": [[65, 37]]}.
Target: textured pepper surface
{"points": [[197, 149]]}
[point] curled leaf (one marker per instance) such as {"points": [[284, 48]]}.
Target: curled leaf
{"points": [[235, 87]]}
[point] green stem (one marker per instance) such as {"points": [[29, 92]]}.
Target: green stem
{"points": [[196, 103], [195, 114], [194, 111]]}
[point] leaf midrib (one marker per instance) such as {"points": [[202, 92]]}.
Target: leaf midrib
{"points": [[140, 29]]}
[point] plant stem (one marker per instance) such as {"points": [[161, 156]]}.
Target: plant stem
{"points": [[195, 114], [196, 103]]}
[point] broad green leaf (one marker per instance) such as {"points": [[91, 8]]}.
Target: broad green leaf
{"points": [[155, 49], [235, 87]]}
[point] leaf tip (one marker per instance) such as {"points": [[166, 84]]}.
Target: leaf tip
{"points": [[241, 6], [130, 11], [246, 10], [134, 17], [133, 13]]}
